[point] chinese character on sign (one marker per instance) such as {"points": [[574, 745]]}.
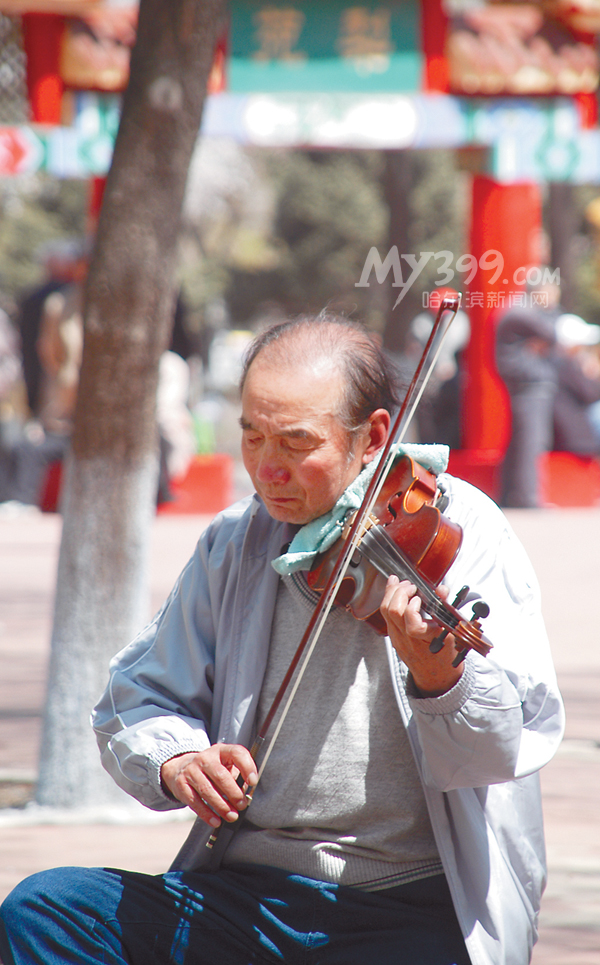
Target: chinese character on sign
{"points": [[277, 33], [476, 300], [364, 33], [540, 298], [518, 299], [495, 300]]}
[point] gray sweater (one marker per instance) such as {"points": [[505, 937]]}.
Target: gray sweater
{"points": [[340, 799]]}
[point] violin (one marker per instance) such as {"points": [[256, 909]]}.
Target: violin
{"points": [[406, 534]]}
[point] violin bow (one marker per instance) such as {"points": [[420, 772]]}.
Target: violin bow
{"points": [[450, 303]]}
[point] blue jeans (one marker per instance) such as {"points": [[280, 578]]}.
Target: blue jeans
{"points": [[250, 914]]}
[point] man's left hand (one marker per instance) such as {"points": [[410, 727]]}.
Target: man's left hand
{"points": [[411, 635]]}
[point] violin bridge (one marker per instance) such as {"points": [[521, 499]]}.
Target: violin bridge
{"points": [[367, 524]]}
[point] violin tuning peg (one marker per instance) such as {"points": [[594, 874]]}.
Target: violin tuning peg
{"points": [[461, 596], [460, 656], [480, 610], [438, 642]]}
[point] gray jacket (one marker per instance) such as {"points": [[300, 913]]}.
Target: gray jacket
{"points": [[193, 677]]}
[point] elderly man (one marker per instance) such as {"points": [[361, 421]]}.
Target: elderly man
{"points": [[398, 818]]}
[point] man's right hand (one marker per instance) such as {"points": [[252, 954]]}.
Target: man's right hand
{"points": [[206, 781]]}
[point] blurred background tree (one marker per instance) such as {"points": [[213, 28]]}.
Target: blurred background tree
{"points": [[35, 210], [288, 231]]}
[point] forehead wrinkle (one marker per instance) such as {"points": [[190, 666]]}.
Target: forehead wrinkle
{"points": [[261, 390], [305, 372]]}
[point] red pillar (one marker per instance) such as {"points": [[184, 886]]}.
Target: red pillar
{"points": [[42, 34], [434, 28], [505, 218]]}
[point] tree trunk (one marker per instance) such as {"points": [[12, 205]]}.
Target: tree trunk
{"points": [[111, 477], [398, 184]]}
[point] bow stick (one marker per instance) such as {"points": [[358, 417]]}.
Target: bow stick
{"points": [[450, 303]]}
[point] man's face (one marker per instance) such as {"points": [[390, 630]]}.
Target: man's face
{"points": [[294, 447]]}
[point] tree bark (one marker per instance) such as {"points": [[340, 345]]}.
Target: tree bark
{"points": [[111, 475], [398, 183]]}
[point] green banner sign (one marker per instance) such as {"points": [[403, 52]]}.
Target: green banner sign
{"points": [[308, 45]]}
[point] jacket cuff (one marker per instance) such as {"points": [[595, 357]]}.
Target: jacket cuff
{"points": [[164, 752], [448, 703]]}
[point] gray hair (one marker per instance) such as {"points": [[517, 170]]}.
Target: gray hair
{"points": [[370, 378]]}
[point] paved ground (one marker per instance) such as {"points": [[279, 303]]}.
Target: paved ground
{"points": [[565, 548]]}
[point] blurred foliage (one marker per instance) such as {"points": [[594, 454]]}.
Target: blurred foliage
{"points": [[427, 195], [291, 235], [329, 210], [35, 210], [438, 215], [288, 233]]}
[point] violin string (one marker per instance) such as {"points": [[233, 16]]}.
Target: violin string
{"points": [[388, 559], [386, 556]]}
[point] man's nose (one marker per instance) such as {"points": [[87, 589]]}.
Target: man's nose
{"points": [[272, 467]]}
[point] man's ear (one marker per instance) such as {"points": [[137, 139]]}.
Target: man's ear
{"points": [[379, 427]]}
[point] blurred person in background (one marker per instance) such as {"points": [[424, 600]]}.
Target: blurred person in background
{"points": [[174, 421], [11, 381], [55, 333], [578, 386], [64, 263], [525, 339]]}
